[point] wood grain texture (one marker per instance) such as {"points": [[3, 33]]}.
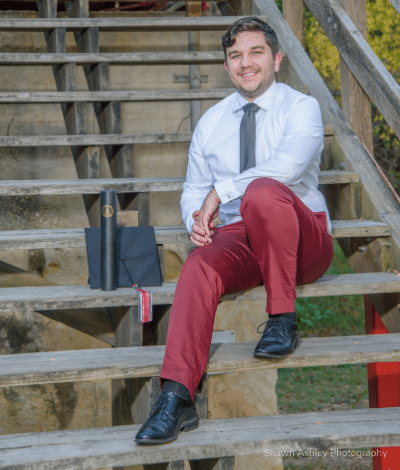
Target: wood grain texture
{"points": [[116, 58], [75, 114], [93, 139], [369, 71], [124, 185], [94, 322], [356, 105], [81, 296], [137, 361], [293, 11], [208, 23], [89, 186], [106, 447], [396, 5], [75, 237], [123, 96]]}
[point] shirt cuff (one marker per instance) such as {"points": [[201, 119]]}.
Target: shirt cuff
{"points": [[226, 190]]}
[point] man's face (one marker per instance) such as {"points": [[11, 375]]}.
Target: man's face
{"points": [[250, 64]]}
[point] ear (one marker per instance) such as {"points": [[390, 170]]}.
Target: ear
{"points": [[226, 66], [277, 60]]}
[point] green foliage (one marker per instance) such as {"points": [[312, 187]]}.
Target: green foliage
{"points": [[383, 23], [324, 316], [324, 55]]}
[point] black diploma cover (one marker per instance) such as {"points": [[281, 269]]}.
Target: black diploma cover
{"points": [[121, 256]]}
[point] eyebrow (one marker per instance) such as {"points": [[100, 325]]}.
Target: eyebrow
{"points": [[259, 46]]}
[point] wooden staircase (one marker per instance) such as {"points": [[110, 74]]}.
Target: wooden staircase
{"points": [[364, 211]]}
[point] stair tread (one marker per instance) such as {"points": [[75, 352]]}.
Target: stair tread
{"points": [[168, 23], [114, 446], [138, 361], [122, 96], [125, 185], [75, 237], [82, 296], [112, 58], [101, 139]]}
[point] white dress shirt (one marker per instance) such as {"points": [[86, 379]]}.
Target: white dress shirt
{"points": [[289, 143]]}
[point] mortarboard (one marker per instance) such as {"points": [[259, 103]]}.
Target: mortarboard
{"points": [[136, 257]]}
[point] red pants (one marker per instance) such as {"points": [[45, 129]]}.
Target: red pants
{"points": [[279, 243]]}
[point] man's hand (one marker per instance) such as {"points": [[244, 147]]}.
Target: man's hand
{"points": [[203, 227]]}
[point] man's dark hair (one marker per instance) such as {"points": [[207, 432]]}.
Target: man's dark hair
{"points": [[250, 23]]}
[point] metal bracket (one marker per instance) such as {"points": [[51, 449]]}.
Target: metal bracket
{"points": [[186, 78]]}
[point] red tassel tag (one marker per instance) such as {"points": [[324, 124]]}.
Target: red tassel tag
{"points": [[145, 310]]}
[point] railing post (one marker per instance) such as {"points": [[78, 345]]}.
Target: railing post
{"points": [[194, 9], [355, 102], [75, 113], [293, 11]]}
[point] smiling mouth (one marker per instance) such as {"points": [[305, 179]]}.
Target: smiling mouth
{"points": [[249, 74]]}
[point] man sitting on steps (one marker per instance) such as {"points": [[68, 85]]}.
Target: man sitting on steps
{"points": [[254, 158]]}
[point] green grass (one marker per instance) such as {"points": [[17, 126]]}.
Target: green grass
{"points": [[322, 388]]}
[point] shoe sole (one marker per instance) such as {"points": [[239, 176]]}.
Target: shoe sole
{"points": [[185, 427], [277, 356]]}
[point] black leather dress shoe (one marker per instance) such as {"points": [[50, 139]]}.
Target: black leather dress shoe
{"points": [[172, 413], [280, 337]]}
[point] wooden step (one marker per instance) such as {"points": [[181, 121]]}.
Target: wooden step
{"points": [[81, 296], [123, 96], [115, 446], [135, 362], [126, 185], [115, 58], [101, 139], [93, 139], [75, 238], [170, 23]]}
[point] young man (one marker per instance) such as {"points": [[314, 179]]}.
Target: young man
{"points": [[254, 159]]}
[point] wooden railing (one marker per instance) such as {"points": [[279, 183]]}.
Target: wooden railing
{"points": [[363, 78]]}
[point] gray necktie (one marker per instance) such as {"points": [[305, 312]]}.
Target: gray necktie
{"points": [[248, 137]]}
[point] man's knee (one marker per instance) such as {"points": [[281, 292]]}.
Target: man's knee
{"points": [[265, 193], [201, 264]]}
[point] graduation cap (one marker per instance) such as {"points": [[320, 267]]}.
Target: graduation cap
{"points": [[120, 256]]}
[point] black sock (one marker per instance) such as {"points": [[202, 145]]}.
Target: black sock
{"points": [[290, 316], [176, 387]]}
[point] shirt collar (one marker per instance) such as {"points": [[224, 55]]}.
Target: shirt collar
{"points": [[262, 101]]}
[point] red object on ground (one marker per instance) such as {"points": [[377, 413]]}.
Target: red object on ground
{"points": [[383, 387]]}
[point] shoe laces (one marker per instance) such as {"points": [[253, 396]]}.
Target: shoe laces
{"points": [[273, 324], [259, 326]]}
